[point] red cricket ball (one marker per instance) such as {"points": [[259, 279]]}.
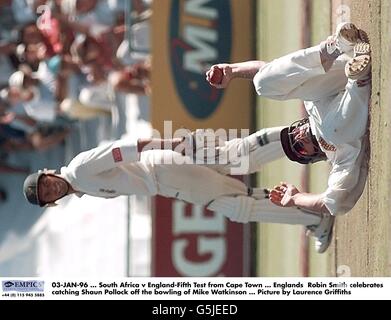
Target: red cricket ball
{"points": [[216, 76]]}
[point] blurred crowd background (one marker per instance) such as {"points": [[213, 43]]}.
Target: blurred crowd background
{"points": [[73, 74], [61, 62]]}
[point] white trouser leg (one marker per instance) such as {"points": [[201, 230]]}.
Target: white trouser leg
{"points": [[247, 209], [300, 75], [201, 185], [247, 155], [192, 183]]}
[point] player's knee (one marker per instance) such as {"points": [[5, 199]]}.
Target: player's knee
{"points": [[263, 85], [268, 85], [259, 83]]}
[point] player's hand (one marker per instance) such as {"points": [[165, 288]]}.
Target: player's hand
{"points": [[283, 195], [227, 75], [203, 145]]}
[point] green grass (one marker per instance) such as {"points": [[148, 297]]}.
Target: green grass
{"points": [[279, 32]]}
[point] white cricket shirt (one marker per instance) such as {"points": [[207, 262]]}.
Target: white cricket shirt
{"points": [[109, 171], [341, 121]]}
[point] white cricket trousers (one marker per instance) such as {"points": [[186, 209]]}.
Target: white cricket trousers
{"points": [[201, 185], [300, 75]]}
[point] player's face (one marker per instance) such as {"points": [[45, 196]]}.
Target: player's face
{"points": [[303, 142], [52, 188]]}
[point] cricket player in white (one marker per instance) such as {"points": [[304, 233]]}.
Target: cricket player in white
{"points": [[335, 89], [122, 168]]}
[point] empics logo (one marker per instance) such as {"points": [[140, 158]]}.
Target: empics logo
{"points": [[200, 36], [23, 286], [8, 284]]}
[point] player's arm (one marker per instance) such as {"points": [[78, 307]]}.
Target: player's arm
{"points": [[158, 144], [117, 153], [246, 70], [287, 195], [242, 70]]}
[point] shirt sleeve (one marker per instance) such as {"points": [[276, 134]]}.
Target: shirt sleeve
{"points": [[105, 157], [347, 179]]}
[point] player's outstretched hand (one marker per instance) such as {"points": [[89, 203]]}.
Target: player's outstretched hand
{"points": [[219, 75], [282, 195]]}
